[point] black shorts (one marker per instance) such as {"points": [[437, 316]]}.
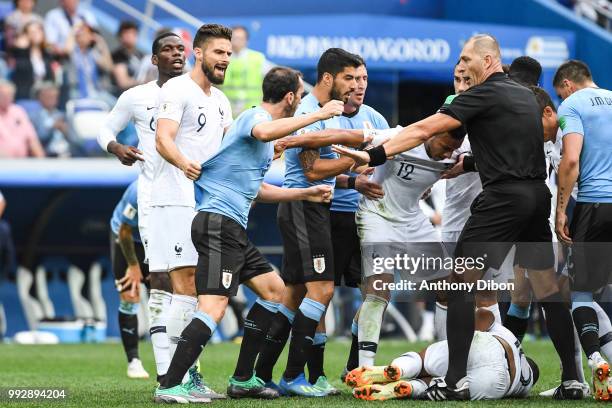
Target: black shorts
{"points": [[508, 213], [347, 249], [308, 251], [119, 264], [590, 256], [226, 257]]}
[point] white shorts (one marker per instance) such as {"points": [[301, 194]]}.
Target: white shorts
{"points": [[144, 213], [487, 367], [170, 245], [381, 238]]}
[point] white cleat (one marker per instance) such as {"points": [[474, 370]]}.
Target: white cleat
{"points": [[136, 370]]}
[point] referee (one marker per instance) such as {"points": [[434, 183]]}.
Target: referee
{"points": [[505, 128], [585, 119]]}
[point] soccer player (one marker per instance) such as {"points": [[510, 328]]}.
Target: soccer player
{"points": [[505, 128], [230, 180], [497, 368], [139, 104], [308, 262], [127, 259], [192, 117], [585, 118], [345, 240]]}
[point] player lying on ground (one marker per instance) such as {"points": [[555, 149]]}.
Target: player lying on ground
{"points": [[497, 368]]}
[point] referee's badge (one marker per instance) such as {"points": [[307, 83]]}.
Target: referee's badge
{"points": [[226, 280], [319, 264]]}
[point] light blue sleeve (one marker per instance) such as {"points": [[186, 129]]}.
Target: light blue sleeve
{"points": [[570, 120], [255, 118], [129, 210], [379, 121]]}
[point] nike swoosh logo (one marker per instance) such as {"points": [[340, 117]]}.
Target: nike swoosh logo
{"points": [[149, 108], [201, 107], [130, 331]]}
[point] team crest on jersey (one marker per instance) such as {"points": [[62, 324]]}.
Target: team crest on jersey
{"points": [[319, 264], [178, 249], [226, 278]]}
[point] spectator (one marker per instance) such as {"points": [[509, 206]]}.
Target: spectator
{"points": [[16, 21], [31, 59], [50, 124], [17, 135], [8, 259], [126, 57], [90, 65], [245, 73], [62, 22]]}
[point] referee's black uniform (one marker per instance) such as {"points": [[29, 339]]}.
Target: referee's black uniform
{"points": [[505, 127]]}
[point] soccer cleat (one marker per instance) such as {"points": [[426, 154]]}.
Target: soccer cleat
{"points": [[438, 390], [275, 387], [392, 373], [254, 387], [343, 375], [570, 390], [382, 392], [177, 395], [366, 375], [323, 384], [299, 386], [586, 391], [601, 377], [136, 370], [197, 387]]}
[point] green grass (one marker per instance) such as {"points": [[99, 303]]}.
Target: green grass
{"points": [[94, 375]]}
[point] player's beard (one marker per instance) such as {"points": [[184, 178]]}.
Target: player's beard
{"points": [[335, 94], [210, 74]]}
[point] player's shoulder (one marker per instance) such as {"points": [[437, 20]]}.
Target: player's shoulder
{"points": [[142, 90], [180, 81], [371, 111], [218, 93]]}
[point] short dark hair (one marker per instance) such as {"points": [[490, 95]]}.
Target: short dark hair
{"points": [[525, 70], [543, 98], [156, 42], [334, 60], [126, 25], [574, 70], [243, 28], [278, 82], [506, 68], [208, 31]]}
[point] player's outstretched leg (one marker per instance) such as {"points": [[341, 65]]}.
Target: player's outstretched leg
{"points": [[403, 389]]}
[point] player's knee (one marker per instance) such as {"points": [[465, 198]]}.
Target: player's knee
{"points": [[126, 297], [321, 292], [183, 283], [160, 281], [214, 307]]}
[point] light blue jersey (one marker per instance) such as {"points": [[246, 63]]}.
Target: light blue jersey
{"points": [[345, 199], [126, 212], [294, 173], [231, 178], [589, 113]]}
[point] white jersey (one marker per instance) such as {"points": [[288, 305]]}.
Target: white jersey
{"points": [[523, 379], [552, 152], [202, 119], [404, 180], [460, 193], [137, 104]]}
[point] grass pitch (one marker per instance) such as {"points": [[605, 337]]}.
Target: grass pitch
{"points": [[94, 376]]}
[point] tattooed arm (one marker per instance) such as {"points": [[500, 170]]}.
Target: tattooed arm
{"points": [[316, 168], [133, 274], [568, 174]]}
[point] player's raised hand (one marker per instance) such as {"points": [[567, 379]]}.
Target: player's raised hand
{"points": [[360, 157], [331, 109], [127, 155], [367, 187], [192, 169], [319, 194], [561, 228]]}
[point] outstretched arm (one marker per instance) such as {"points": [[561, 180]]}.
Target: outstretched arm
{"points": [[316, 168], [269, 193]]}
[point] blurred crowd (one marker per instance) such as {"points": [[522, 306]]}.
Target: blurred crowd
{"points": [[598, 11]]}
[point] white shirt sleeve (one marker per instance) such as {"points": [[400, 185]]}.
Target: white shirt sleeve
{"points": [[227, 107], [171, 103], [117, 120]]}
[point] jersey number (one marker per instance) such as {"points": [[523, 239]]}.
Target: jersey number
{"points": [[405, 171], [201, 121]]}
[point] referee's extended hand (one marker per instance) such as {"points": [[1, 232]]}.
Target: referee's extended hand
{"points": [[331, 109], [318, 194], [192, 169], [562, 229], [127, 155]]}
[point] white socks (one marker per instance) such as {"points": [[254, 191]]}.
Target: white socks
{"points": [[410, 365], [370, 321], [440, 322], [159, 305], [180, 315]]}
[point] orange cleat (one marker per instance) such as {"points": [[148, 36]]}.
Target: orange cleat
{"points": [[366, 375], [383, 392]]}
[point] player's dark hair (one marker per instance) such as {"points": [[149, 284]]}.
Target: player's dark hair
{"points": [[525, 70], [156, 42], [543, 99], [335, 60], [535, 370], [506, 68], [361, 60], [243, 28], [126, 25], [278, 82], [210, 31], [574, 70], [459, 133]]}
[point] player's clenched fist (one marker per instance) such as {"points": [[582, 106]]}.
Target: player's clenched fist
{"points": [[319, 194], [331, 109], [192, 170]]}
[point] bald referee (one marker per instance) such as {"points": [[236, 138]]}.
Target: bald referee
{"points": [[505, 128]]}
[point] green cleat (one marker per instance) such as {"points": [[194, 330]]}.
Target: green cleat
{"points": [[323, 385], [197, 387], [177, 395], [254, 387]]}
